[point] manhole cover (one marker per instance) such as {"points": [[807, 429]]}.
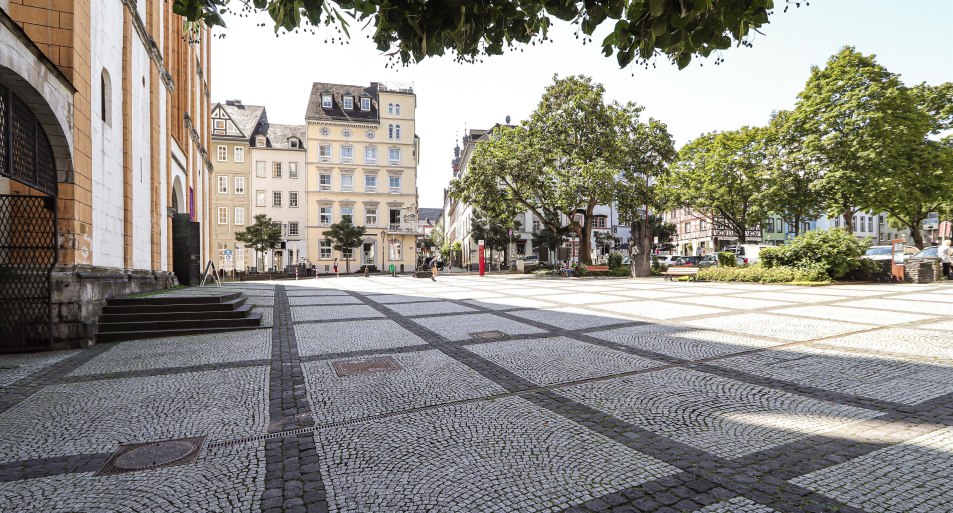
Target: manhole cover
{"points": [[167, 453], [153, 455], [365, 366], [488, 335]]}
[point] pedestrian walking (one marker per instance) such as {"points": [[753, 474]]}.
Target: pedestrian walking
{"points": [[336, 268], [433, 268], [946, 258]]}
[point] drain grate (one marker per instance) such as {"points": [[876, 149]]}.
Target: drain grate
{"points": [[373, 365], [488, 335], [149, 455]]}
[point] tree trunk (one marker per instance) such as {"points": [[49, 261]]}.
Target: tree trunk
{"points": [[585, 244], [849, 220], [640, 251], [742, 235], [797, 225], [916, 233], [347, 263]]}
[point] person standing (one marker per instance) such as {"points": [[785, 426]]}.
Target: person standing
{"points": [[336, 268], [946, 258], [433, 268]]}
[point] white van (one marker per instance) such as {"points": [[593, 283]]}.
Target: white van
{"points": [[749, 253]]}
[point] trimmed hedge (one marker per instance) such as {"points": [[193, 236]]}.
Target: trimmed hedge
{"points": [[761, 274]]}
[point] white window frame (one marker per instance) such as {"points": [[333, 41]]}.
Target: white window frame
{"points": [[327, 101], [390, 184], [293, 199], [261, 198], [222, 153], [293, 229], [222, 184], [397, 108], [293, 142], [390, 157], [365, 103], [370, 216], [347, 211], [324, 250], [276, 198], [276, 169], [239, 216], [397, 132], [230, 128], [239, 185], [390, 131], [324, 153], [325, 217], [370, 155], [324, 186], [239, 154], [370, 188], [292, 170], [260, 141], [390, 108], [348, 102], [349, 158], [218, 125], [222, 215], [347, 187], [259, 168]]}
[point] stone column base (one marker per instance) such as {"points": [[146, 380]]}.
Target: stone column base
{"points": [[80, 293]]}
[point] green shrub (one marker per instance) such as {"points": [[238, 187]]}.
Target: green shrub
{"points": [[615, 260], [623, 272], [760, 274], [835, 251], [727, 259]]}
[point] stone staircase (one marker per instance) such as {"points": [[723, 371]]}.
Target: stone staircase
{"points": [[129, 318]]}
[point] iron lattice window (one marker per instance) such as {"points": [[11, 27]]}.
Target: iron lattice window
{"points": [[25, 153]]}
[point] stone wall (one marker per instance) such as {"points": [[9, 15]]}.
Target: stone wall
{"points": [[80, 292], [922, 270]]}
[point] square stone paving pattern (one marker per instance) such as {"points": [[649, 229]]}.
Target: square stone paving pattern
{"points": [[546, 361], [806, 399], [503, 455]]}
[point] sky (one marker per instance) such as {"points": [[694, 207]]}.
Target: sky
{"points": [[912, 38]]}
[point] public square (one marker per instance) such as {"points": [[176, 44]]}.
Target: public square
{"points": [[505, 393]]}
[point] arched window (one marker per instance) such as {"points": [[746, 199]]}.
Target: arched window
{"points": [[105, 97], [390, 108], [397, 132], [390, 131], [397, 109]]}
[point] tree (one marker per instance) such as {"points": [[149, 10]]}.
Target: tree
{"points": [[645, 150], [344, 236], [722, 176], [857, 122], [662, 231], [262, 235], [492, 230], [549, 239], [559, 165], [639, 30], [790, 180]]}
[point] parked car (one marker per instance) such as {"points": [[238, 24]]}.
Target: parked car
{"points": [[930, 252], [668, 259], [748, 253], [712, 260], [877, 253], [691, 261]]}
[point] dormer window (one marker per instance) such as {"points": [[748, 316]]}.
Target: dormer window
{"points": [[326, 101], [349, 102], [293, 142], [260, 141], [365, 104]]}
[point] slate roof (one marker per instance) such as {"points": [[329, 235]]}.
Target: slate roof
{"points": [[429, 213], [337, 112], [247, 118], [277, 135]]}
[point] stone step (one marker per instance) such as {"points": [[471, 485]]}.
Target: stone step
{"points": [[253, 319], [165, 299], [117, 336], [225, 306], [161, 314]]}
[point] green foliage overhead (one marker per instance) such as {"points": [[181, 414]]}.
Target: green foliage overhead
{"points": [[640, 30], [790, 179], [260, 236], [722, 176], [493, 231], [834, 251]]}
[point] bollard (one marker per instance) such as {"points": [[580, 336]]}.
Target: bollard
{"points": [[367, 271]]}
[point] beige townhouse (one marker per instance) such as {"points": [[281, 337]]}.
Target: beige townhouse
{"points": [[362, 153]]}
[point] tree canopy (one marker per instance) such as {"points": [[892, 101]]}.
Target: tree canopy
{"points": [[639, 31], [260, 236], [344, 236]]}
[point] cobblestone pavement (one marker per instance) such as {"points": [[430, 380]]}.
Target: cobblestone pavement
{"points": [[505, 393]]}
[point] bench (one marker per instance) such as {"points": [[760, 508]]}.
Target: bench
{"points": [[672, 272], [597, 268]]}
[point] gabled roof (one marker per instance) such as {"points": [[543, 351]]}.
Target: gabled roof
{"points": [[277, 135], [315, 112], [429, 213], [247, 118]]}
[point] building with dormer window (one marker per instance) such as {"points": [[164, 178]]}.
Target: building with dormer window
{"points": [[360, 164]]}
